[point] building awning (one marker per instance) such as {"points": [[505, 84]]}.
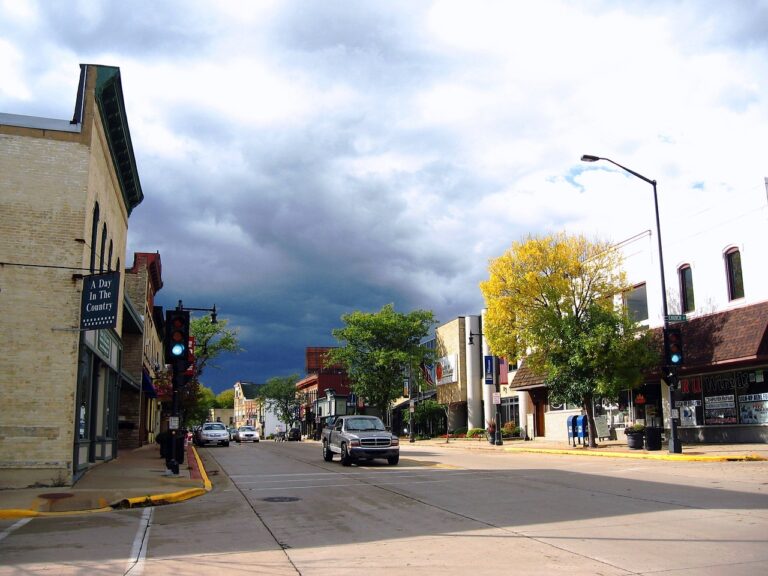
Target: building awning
{"points": [[147, 386], [719, 341], [525, 379], [725, 339]]}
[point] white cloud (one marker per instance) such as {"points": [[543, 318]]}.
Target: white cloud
{"points": [[349, 155]]}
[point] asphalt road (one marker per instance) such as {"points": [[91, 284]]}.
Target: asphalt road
{"points": [[278, 508]]}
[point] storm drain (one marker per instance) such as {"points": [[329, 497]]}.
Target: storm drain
{"points": [[281, 499], [56, 496]]}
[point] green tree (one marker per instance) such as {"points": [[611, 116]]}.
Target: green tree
{"points": [[211, 340], [196, 401], [225, 399], [427, 414], [554, 296], [378, 349], [279, 396]]}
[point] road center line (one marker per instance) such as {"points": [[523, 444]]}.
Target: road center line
{"points": [[135, 565], [7, 532]]}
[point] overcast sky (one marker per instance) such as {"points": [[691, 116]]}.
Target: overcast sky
{"points": [[300, 160]]}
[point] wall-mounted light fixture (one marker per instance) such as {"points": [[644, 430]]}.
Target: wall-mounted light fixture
{"points": [[471, 339]]}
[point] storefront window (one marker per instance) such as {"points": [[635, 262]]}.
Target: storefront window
{"points": [[737, 397], [510, 410]]}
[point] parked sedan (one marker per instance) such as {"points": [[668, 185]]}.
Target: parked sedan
{"points": [[212, 433], [246, 434], [294, 435]]}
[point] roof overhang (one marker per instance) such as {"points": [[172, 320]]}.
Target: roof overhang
{"points": [[109, 97]]}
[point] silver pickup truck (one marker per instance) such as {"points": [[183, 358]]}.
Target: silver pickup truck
{"points": [[359, 438]]}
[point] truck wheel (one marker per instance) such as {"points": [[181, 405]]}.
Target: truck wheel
{"points": [[392, 460], [346, 459], [327, 454]]}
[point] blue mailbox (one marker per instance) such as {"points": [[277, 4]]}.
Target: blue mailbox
{"points": [[582, 428], [572, 429]]}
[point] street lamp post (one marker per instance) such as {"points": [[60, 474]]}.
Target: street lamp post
{"points": [[497, 435], [674, 442]]}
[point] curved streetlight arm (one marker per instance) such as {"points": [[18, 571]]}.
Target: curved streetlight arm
{"points": [[590, 158]]}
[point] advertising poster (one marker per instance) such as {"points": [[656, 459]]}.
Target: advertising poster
{"points": [[720, 409], [446, 369], [753, 408]]}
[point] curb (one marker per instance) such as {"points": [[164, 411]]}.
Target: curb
{"points": [[644, 455]]}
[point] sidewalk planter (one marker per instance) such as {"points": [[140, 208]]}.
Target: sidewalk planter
{"points": [[653, 438], [635, 436]]}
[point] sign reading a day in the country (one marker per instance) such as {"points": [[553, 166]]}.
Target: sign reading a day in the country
{"points": [[99, 305]]}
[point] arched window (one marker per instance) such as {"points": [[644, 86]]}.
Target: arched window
{"points": [[109, 259], [733, 272], [94, 236], [686, 288], [103, 247]]}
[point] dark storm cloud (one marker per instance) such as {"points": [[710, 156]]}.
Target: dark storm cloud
{"points": [[301, 160]]}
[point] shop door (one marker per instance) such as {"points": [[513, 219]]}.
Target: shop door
{"points": [[538, 428]]}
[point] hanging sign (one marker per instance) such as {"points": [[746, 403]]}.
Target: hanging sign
{"points": [[98, 308], [489, 371]]}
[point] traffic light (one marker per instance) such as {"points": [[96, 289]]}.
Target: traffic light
{"points": [[673, 347], [177, 339]]}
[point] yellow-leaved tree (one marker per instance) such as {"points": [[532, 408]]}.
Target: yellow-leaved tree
{"points": [[552, 300]]}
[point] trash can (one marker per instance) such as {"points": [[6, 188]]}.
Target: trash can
{"points": [[168, 452], [652, 438], [572, 429]]}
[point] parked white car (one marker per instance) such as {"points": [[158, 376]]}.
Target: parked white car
{"points": [[212, 433], [247, 434]]}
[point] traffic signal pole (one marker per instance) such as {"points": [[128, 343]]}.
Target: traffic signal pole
{"points": [[177, 352]]}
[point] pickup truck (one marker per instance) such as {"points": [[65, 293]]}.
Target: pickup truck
{"points": [[359, 438]]}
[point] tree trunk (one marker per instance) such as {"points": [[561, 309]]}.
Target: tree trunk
{"points": [[589, 408], [447, 423]]}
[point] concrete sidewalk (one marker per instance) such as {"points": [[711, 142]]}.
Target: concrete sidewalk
{"points": [[138, 477], [135, 478]]}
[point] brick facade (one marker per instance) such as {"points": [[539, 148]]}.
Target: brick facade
{"points": [[54, 174]]}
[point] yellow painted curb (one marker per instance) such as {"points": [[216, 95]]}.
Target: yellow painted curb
{"points": [[643, 455], [206, 481], [157, 499], [20, 513]]}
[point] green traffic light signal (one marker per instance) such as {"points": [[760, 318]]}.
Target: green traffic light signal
{"points": [[176, 334], [673, 346]]}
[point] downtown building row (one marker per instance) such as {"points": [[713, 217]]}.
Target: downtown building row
{"points": [[82, 338], [325, 391], [717, 293]]}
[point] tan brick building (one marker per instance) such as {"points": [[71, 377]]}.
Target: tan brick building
{"points": [[66, 192]]}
